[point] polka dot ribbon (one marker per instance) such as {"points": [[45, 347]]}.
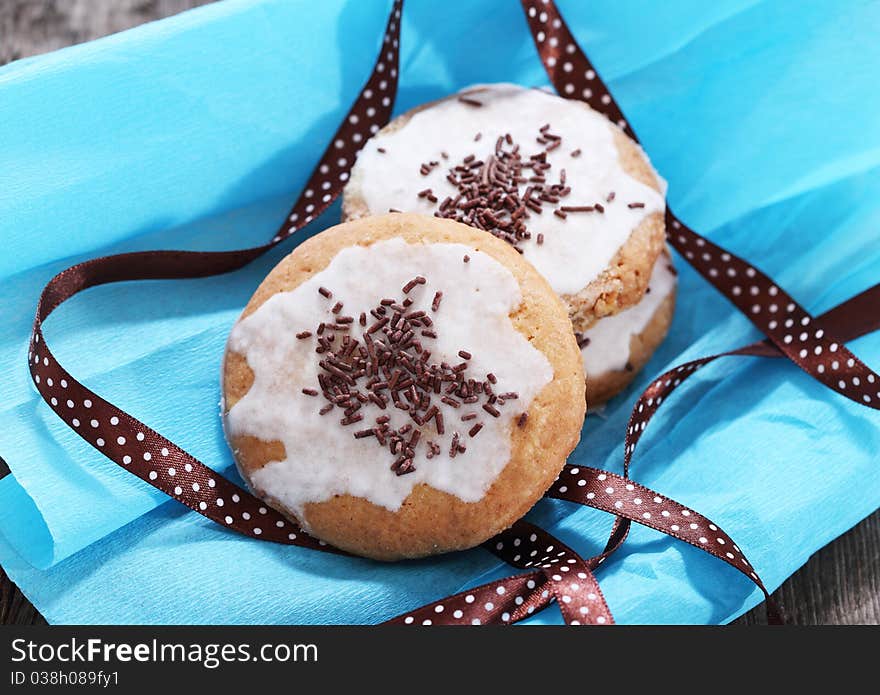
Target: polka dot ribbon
{"points": [[558, 574], [804, 339], [816, 345], [128, 441]]}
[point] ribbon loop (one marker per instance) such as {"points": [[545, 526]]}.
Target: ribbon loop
{"points": [[129, 442], [557, 573]]}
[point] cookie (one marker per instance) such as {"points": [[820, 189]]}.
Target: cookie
{"points": [[616, 348], [401, 386], [552, 177]]}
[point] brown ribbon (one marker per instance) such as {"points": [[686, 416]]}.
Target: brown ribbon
{"points": [[556, 572], [129, 442], [809, 342]]}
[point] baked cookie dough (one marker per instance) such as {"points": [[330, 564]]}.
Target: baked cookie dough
{"points": [[616, 348], [555, 179], [401, 386]]}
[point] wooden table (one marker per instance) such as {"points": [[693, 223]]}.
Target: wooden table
{"points": [[839, 585]]}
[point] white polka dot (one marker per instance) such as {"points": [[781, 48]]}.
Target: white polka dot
{"points": [[120, 441], [114, 420]]}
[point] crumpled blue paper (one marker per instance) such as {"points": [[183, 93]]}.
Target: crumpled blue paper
{"points": [[198, 131]]}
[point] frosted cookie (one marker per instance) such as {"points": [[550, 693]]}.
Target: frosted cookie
{"points": [[401, 386], [555, 179], [616, 348]]}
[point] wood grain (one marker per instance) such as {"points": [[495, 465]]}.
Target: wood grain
{"points": [[840, 585], [28, 27]]}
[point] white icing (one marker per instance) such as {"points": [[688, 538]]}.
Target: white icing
{"points": [[608, 349], [323, 458], [575, 250]]}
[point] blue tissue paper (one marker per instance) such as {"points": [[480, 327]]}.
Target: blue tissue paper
{"points": [[197, 132]]}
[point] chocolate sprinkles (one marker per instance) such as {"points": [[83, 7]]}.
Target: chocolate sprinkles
{"points": [[488, 193], [390, 367]]}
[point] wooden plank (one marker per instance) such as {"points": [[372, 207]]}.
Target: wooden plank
{"points": [[28, 27]]}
